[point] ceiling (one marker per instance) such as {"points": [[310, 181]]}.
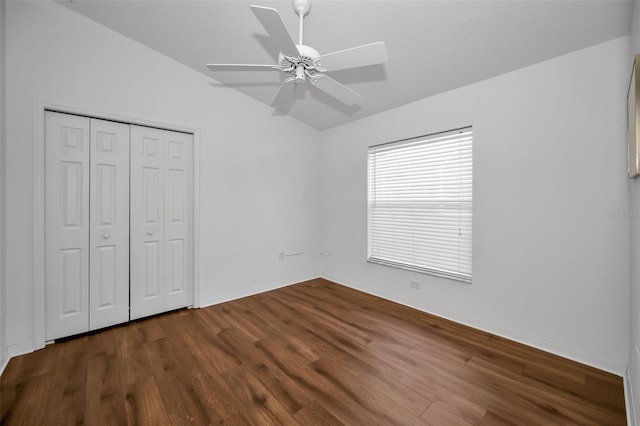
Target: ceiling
{"points": [[433, 46]]}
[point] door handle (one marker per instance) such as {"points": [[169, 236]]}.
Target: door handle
{"points": [[150, 232], [106, 236]]}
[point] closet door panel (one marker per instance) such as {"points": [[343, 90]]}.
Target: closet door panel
{"points": [[67, 142], [178, 222], [109, 218], [152, 273], [147, 221]]}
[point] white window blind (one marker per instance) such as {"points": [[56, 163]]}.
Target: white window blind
{"points": [[420, 204]]}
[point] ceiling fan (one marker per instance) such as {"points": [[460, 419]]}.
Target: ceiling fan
{"points": [[299, 61]]}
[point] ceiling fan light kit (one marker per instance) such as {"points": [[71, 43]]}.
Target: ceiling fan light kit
{"points": [[301, 62]]}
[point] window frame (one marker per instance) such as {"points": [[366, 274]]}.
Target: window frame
{"points": [[421, 141]]}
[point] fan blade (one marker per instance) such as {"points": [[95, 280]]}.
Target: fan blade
{"points": [[368, 54], [272, 23], [335, 89], [241, 67], [285, 95]]}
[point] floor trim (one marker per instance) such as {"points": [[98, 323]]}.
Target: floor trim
{"points": [[628, 399], [251, 291], [4, 365]]}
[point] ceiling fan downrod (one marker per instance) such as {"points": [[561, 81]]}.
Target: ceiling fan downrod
{"points": [[302, 8]]}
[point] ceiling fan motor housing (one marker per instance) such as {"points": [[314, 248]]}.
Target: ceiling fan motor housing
{"points": [[305, 64]]}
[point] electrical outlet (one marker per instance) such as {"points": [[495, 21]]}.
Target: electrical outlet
{"points": [[414, 284]]}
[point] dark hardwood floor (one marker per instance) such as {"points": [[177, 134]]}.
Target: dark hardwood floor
{"points": [[311, 353]]}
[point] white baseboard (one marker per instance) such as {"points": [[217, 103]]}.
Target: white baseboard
{"points": [[4, 365], [628, 399], [16, 349], [250, 291], [527, 339], [20, 348]]}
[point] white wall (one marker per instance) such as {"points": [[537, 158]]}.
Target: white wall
{"points": [[551, 268], [257, 180], [3, 321], [633, 374]]}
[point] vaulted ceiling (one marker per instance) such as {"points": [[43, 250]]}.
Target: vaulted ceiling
{"points": [[433, 46]]}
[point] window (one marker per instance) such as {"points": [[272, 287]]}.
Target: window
{"points": [[420, 204]]}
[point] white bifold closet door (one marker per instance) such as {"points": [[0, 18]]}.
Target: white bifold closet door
{"points": [[87, 224], [108, 224], [161, 221]]}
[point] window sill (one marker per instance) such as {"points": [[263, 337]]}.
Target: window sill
{"points": [[435, 272]]}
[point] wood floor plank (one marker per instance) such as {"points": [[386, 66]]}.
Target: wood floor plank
{"points": [[67, 398], [373, 394], [105, 404], [288, 393], [242, 318], [196, 332], [372, 380], [334, 399], [180, 401], [20, 401], [23, 376], [286, 390], [436, 415], [315, 414], [488, 391], [396, 363], [260, 405], [577, 410], [491, 419], [149, 330], [143, 403], [132, 359], [100, 344], [214, 318], [314, 353], [206, 381]]}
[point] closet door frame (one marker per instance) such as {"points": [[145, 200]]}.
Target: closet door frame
{"points": [[38, 255]]}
